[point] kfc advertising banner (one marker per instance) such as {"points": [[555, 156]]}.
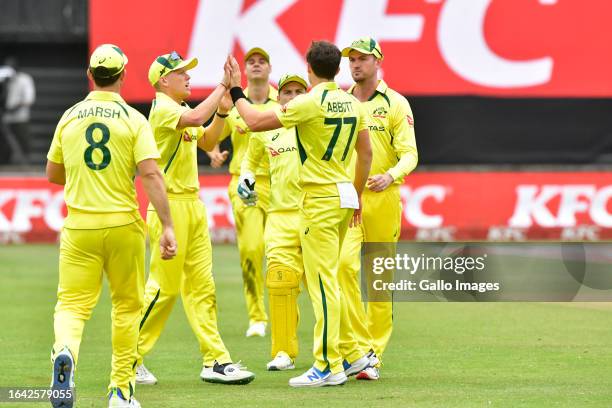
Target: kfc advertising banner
{"points": [[436, 207], [538, 48]]}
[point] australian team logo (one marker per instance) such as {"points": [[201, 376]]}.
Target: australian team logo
{"points": [[380, 112]]}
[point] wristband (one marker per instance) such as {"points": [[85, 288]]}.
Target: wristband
{"points": [[236, 93], [222, 115]]}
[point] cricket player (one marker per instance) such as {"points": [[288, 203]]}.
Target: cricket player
{"points": [[282, 233], [96, 148], [329, 124], [178, 132], [250, 220], [394, 156]]}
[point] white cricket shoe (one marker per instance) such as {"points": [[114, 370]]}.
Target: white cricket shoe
{"points": [[356, 366], [62, 381], [256, 329], [317, 378], [281, 362], [370, 373], [144, 376], [229, 373], [374, 360], [116, 400]]}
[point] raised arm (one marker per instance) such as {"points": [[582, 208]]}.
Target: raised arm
{"points": [[255, 120], [204, 110], [212, 132]]}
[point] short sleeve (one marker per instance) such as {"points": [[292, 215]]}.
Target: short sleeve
{"points": [[297, 111], [55, 153], [363, 117], [167, 115], [144, 144]]}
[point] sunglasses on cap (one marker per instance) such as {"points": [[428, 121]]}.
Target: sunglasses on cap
{"points": [[170, 62]]}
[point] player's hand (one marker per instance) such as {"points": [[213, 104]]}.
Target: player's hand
{"points": [[379, 182], [246, 189], [227, 74], [167, 244], [225, 105], [356, 218], [235, 79], [218, 158]]}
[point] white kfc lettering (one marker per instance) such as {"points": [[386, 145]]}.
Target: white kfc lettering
{"points": [[358, 21], [532, 205], [460, 37], [30, 204], [413, 210], [464, 47], [529, 204], [599, 214], [219, 23]]}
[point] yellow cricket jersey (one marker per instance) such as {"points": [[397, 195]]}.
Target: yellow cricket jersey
{"points": [[178, 147], [237, 129], [279, 148], [100, 140], [391, 127], [327, 120]]}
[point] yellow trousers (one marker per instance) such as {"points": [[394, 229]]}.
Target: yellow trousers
{"points": [[381, 222], [188, 273], [84, 256], [323, 225], [250, 223]]}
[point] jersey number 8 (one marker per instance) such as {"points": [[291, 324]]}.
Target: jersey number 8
{"points": [[93, 145]]}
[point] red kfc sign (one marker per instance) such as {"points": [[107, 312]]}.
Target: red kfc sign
{"points": [[437, 206], [489, 47]]}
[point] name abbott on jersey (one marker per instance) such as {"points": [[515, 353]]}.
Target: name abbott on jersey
{"points": [[339, 107]]}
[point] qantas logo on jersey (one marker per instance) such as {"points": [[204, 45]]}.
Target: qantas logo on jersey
{"points": [[375, 128], [380, 112], [276, 152]]}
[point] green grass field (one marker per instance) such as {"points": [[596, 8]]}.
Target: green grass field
{"points": [[440, 355]]}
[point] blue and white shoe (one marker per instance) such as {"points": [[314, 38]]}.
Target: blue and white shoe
{"points": [[356, 366], [62, 383], [317, 378], [117, 400]]}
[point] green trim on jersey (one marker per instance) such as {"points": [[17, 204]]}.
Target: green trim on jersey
{"points": [[301, 150], [180, 139], [123, 107]]}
